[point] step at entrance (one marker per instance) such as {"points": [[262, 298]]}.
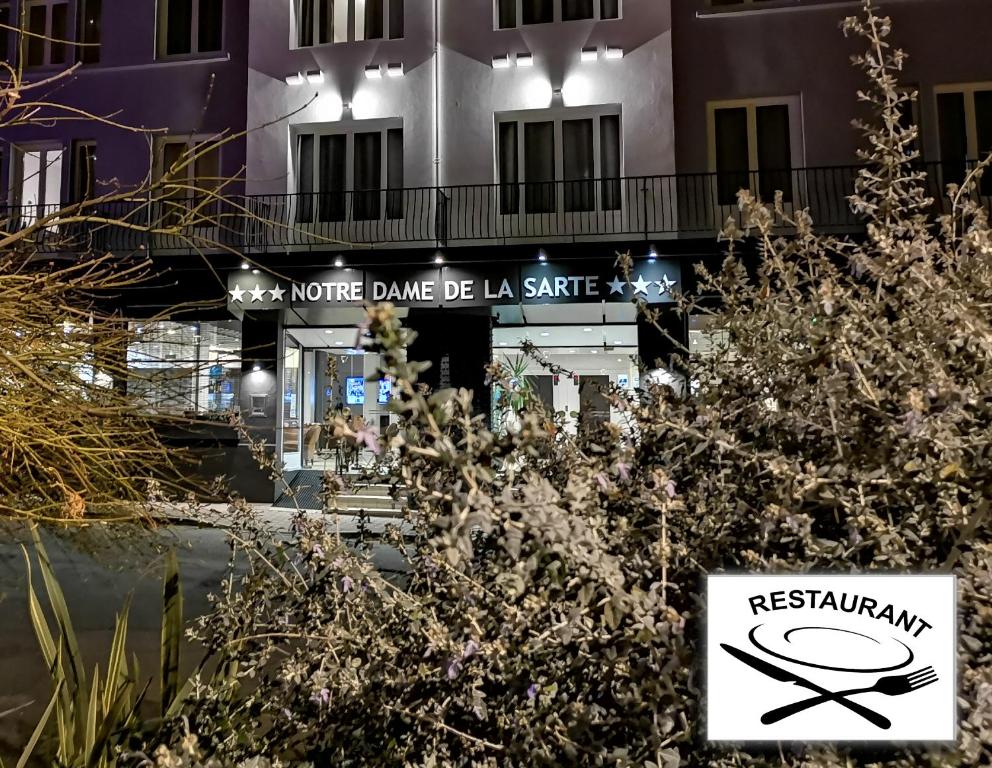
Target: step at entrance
{"points": [[306, 485]]}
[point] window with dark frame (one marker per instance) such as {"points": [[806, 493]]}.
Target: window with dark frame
{"points": [[44, 43], [512, 13], [5, 32], [325, 185], [82, 172], [36, 180], [527, 158], [320, 22], [576, 10], [722, 3], [188, 27], [538, 12], [752, 150], [964, 125], [90, 16], [196, 180], [539, 167]]}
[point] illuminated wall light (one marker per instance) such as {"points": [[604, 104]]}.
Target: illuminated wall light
{"points": [[538, 93], [329, 107], [373, 72], [314, 77], [590, 54], [501, 62], [395, 70], [294, 79], [614, 53], [577, 91], [339, 262], [366, 104], [245, 265], [525, 60]]}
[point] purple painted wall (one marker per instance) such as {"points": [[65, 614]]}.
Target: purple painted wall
{"points": [[790, 48], [201, 94]]}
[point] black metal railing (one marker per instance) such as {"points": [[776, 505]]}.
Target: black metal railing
{"points": [[633, 207]]}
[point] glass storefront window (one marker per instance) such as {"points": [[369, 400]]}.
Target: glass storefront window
{"points": [[186, 368]]}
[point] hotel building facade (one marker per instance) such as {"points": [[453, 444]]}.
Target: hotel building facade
{"points": [[479, 163]]}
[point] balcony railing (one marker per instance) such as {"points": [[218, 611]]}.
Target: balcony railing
{"points": [[630, 208]]}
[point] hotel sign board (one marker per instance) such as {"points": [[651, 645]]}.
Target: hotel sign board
{"points": [[473, 285]]}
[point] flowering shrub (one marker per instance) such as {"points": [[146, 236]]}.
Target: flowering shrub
{"points": [[550, 614]]}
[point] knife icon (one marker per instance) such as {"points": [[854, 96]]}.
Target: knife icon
{"points": [[784, 676]]}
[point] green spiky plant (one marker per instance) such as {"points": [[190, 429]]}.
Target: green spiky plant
{"points": [[96, 715]]}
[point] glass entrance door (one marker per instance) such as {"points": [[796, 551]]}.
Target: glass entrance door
{"points": [[292, 433]]}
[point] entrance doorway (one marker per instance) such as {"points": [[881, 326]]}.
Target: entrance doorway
{"points": [[324, 376]]}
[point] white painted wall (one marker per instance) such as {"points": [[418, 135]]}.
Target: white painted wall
{"points": [[469, 90]]}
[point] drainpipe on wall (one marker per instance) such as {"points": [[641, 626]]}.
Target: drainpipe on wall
{"points": [[437, 95]]}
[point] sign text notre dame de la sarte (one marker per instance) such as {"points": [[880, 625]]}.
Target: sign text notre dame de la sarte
{"points": [[459, 286]]}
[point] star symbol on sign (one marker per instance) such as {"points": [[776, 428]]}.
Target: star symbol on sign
{"points": [[258, 294], [664, 285], [640, 285], [616, 286], [277, 293], [238, 294]]}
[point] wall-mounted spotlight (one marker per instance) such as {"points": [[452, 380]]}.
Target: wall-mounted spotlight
{"points": [[614, 53], [590, 53], [395, 70], [256, 367], [501, 62], [294, 79], [652, 255], [542, 256], [439, 258], [339, 262], [315, 76], [245, 265], [525, 60], [373, 72]]}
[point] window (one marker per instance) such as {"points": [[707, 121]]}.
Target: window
{"points": [[46, 30], [512, 13], [319, 22], [82, 174], [186, 367], [5, 32], [196, 176], [363, 166], [964, 121], [720, 3], [36, 181], [570, 151], [88, 33], [751, 149], [189, 26]]}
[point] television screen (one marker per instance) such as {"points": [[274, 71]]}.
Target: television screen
{"points": [[354, 388], [385, 391]]}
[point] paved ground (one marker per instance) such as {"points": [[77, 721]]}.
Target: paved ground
{"points": [[98, 571]]}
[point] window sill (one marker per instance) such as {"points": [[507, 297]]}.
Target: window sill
{"points": [[341, 43], [562, 21], [774, 6], [171, 61], [191, 58]]}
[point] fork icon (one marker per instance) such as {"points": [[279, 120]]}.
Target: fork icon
{"points": [[893, 685]]}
